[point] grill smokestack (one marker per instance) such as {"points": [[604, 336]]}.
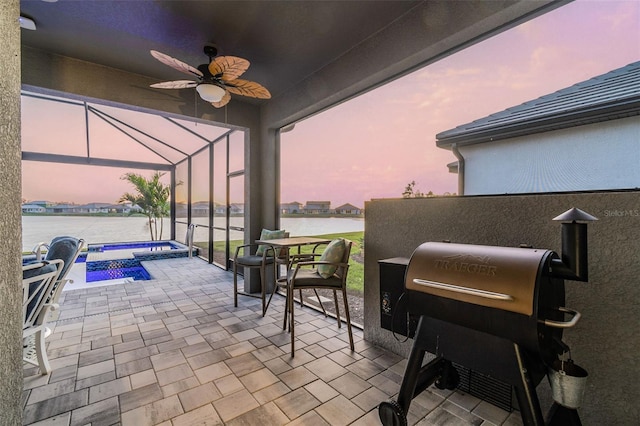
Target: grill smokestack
{"points": [[574, 264]]}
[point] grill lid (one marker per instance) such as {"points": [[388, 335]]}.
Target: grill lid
{"points": [[497, 277]]}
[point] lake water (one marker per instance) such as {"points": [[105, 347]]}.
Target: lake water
{"points": [[102, 229]]}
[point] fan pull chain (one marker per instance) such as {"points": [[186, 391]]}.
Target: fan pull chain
{"points": [[195, 106]]}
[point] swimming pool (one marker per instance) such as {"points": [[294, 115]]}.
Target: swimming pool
{"points": [[116, 261]]}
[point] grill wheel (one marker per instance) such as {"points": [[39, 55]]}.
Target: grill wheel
{"points": [[391, 414]]}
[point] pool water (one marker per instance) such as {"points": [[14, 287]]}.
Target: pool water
{"points": [[117, 261], [137, 273], [103, 270]]}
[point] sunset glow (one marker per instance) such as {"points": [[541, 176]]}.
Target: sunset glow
{"points": [[373, 146]]}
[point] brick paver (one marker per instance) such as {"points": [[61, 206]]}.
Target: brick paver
{"points": [[174, 351]]}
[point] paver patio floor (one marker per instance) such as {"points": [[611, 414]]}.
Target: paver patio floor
{"points": [[174, 351]]}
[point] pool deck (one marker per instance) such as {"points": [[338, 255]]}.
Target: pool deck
{"points": [[77, 275], [174, 351]]}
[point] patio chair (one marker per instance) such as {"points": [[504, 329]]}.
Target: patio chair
{"points": [[304, 257], [329, 272], [67, 249], [257, 256], [38, 281]]}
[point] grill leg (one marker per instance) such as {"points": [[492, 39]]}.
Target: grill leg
{"points": [[416, 379], [449, 377], [562, 416], [526, 394], [410, 379]]}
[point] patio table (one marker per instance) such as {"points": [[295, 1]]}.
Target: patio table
{"points": [[293, 241], [290, 242], [287, 244]]}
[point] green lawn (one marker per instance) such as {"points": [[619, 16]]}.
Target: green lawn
{"points": [[355, 278]]}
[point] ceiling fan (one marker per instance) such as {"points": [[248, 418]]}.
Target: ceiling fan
{"points": [[215, 80]]}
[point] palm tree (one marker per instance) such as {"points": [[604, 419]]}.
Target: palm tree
{"points": [[152, 196]]}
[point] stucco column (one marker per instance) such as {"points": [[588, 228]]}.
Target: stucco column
{"points": [[10, 225]]}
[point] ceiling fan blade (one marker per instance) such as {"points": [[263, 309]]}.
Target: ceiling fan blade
{"points": [[228, 68], [175, 63], [248, 88], [222, 102], [176, 84]]}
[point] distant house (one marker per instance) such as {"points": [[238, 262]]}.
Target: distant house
{"points": [[317, 207], [219, 209], [181, 209], [33, 208], [200, 209], [135, 208], [584, 137], [93, 208], [348, 209], [291, 208], [236, 208], [124, 208], [67, 209]]}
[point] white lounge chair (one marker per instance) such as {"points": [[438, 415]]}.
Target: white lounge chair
{"points": [[38, 282]]}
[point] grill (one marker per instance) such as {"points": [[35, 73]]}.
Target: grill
{"points": [[499, 311]]}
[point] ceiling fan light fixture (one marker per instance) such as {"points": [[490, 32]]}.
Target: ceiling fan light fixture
{"points": [[27, 23], [210, 92]]}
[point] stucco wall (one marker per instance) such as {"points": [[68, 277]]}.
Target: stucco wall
{"points": [[10, 228], [592, 157], [606, 340]]}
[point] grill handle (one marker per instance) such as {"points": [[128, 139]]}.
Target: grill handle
{"points": [[564, 324], [465, 290]]}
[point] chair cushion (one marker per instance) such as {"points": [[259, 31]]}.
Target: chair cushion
{"points": [[64, 248], [266, 234], [252, 260], [333, 253], [309, 278]]}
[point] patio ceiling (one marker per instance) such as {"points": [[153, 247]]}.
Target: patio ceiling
{"points": [[326, 50], [284, 41]]}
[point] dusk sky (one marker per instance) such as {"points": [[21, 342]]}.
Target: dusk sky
{"points": [[374, 145]]}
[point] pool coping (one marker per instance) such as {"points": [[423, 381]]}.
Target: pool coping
{"points": [[181, 250]]}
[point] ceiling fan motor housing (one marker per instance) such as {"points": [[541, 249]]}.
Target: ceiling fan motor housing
{"points": [[207, 77], [211, 51]]}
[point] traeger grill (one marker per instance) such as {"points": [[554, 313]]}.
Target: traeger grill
{"points": [[499, 311]]}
